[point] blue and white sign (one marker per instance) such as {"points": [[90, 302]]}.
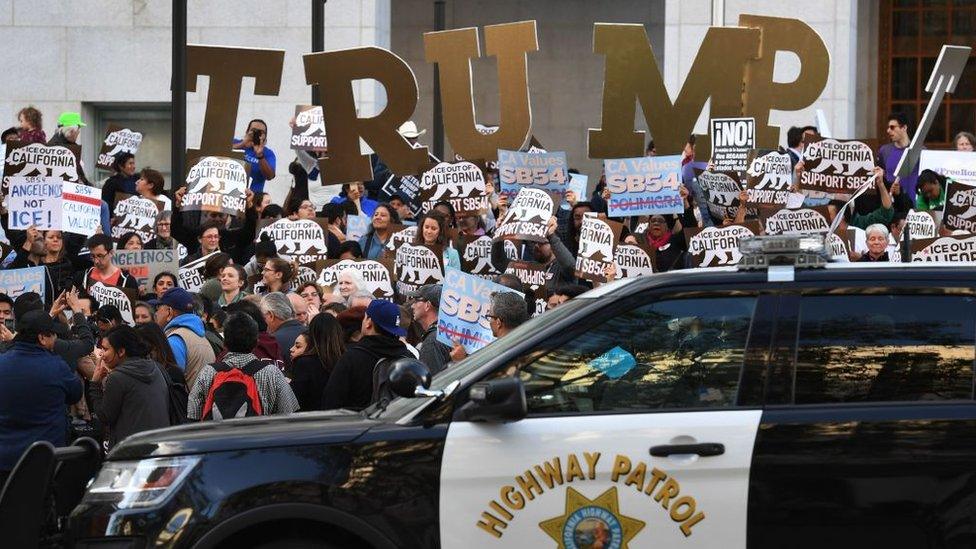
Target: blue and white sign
{"points": [[356, 226], [15, 282], [465, 300], [646, 185], [547, 171]]}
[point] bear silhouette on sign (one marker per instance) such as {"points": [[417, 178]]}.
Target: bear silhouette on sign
{"points": [[313, 119], [836, 166]]}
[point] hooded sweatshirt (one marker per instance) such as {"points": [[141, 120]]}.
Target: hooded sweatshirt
{"points": [[351, 382], [135, 399], [185, 320]]}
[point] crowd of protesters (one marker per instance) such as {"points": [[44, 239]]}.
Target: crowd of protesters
{"points": [[72, 366]]}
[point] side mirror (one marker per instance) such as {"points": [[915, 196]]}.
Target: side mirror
{"points": [[498, 400], [407, 376]]}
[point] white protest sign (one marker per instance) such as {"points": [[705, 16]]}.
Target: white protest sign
{"points": [[527, 216], [216, 184], [308, 134], [770, 180], [34, 201], [633, 261], [136, 214], [732, 139], [190, 277], [462, 184], [598, 239], [117, 140], [475, 255], [81, 208], [804, 220], [302, 240], [948, 249], [837, 167], [376, 274], [416, 266], [721, 192], [956, 165], [110, 295], [41, 160], [717, 246], [922, 224], [960, 207]]}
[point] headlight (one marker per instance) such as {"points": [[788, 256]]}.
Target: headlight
{"points": [[134, 484]]}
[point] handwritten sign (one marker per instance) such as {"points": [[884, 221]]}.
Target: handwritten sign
{"points": [[144, 265], [81, 208], [34, 201]]}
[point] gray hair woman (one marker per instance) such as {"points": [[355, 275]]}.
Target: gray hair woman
{"points": [[877, 237]]}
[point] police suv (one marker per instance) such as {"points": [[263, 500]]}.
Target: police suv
{"points": [[770, 405]]}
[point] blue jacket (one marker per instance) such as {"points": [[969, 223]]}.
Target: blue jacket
{"points": [[36, 386], [185, 320], [368, 205], [375, 248]]}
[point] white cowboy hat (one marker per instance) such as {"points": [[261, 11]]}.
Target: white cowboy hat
{"points": [[409, 130]]}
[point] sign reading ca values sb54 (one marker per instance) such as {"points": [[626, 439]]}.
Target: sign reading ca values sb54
{"points": [[732, 139], [646, 185]]}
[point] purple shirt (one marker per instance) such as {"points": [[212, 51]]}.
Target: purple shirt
{"points": [[890, 155]]}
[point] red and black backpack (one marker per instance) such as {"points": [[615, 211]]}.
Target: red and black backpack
{"points": [[234, 392]]}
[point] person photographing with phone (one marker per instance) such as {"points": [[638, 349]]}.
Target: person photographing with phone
{"points": [[259, 157]]}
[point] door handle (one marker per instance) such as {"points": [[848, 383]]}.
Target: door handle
{"points": [[704, 449]]}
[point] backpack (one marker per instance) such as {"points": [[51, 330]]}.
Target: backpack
{"points": [[233, 392], [178, 396], [381, 381]]}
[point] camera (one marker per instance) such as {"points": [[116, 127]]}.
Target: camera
{"points": [[256, 135]]}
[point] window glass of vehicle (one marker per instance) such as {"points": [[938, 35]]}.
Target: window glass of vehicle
{"points": [[684, 353], [871, 348]]}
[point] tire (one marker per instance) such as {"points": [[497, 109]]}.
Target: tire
{"points": [[297, 543]]}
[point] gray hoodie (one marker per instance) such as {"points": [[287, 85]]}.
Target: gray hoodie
{"points": [[135, 399]]}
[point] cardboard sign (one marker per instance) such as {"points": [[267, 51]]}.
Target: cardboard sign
{"points": [[399, 236], [110, 295], [475, 253], [407, 187], [721, 192], [922, 224], [837, 167], [598, 239], [533, 170], [537, 277], [15, 282], [40, 160], [81, 209], [732, 139], [956, 165], [135, 214], [461, 183], [302, 240], [960, 207], [803, 220], [947, 249], [633, 261], [357, 226], [34, 201], [770, 180], [645, 185], [465, 300], [190, 277], [527, 216], [718, 246], [309, 131], [146, 264], [416, 265], [117, 140], [378, 275], [216, 184]]}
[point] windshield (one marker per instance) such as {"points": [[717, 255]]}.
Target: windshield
{"points": [[464, 368]]}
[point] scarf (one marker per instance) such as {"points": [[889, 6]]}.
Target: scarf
{"points": [[657, 243]]}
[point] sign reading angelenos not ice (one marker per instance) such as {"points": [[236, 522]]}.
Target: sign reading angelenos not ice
{"points": [[838, 167], [216, 184], [732, 139], [117, 140], [646, 185], [462, 184], [309, 131]]}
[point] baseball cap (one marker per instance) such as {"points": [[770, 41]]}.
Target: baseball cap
{"points": [[430, 293], [177, 298], [386, 316], [70, 119]]}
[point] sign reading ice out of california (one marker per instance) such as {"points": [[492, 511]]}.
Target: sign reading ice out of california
{"points": [[646, 185]]}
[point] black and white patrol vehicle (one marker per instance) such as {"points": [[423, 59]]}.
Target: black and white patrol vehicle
{"points": [[762, 406]]}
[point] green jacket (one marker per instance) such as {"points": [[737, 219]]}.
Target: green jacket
{"points": [[922, 204], [880, 215]]}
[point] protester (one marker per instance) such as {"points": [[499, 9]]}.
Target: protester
{"points": [[150, 185], [142, 313], [208, 241], [164, 235], [216, 385], [232, 281], [300, 307], [277, 275], [348, 283], [123, 179], [311, 366], [162, 282], [931, 191], [104, 269], [890, 154], [965, 141], [159, 350], [47, 249], [433, 353], [507, 312], [351, 382], [130, 241], [7, 312], [260, 157], [362, 298], [184, 331], [563, 293], [373, 243], [266, 346], [312, 294], [108, 317], [559, 263], [31, 128], [432, 231], [279, 314], [877, 237], [350, 250], [355, 193], [67, 134]]}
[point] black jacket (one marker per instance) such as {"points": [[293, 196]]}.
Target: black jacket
{"points": [[135, 398], [236, 242], [72, 343], [351, 383], [434, 354], [308, 380]]}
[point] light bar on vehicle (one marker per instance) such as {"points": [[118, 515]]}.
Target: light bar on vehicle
{"points": [[761, 252]]}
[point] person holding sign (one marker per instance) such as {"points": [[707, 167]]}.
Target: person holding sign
{"points": [[552, 254], [377, 236], [508, 311], [259, 156], [433, 232], [425, 308], [664, 237], [104, 269], [356, 194], [150, 185], [931, 191], [47, 249]]}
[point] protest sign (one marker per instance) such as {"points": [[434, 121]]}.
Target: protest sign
{"points": [[922, 224], [302, 240], [110, 295], [34, 201], [400, 235], [407, 187], [837, 167], [117, 140], [416, 266], [356, 227], [304, 274], [960, 207], [536, 170], [15, 282], [537, 276], [956, 165], [645, 185], [949, 249], [462, 184], [633, 261], [527, 216], [732, 139], [577, 184], [135, 214], [378, 275], [308, 133], [598, 238], [465, 300], [803, 220], [190, 277], [216, 184], [146, 264], [837, 248], [81, 208], [40, 160], [721, 192], [475, 253], [770, 180], [718, 246]]}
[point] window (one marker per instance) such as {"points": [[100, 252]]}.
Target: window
{"points": [[911, 34], [152, 120], [873, 348], [670, 354]]}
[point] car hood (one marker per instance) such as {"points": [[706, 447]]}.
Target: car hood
{"points": [[310, 428]]}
